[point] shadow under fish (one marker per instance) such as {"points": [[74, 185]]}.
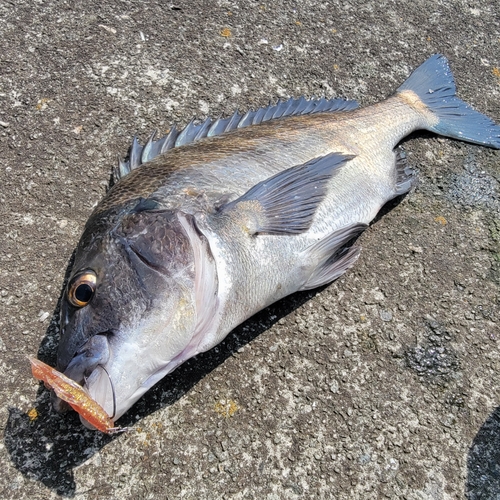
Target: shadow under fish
{"points": [[47, 448], [483, 461]]}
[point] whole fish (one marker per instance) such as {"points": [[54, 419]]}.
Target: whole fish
{"points": [[207, 226]]}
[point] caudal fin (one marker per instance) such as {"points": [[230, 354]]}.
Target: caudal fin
{"points": [[434, 84]]}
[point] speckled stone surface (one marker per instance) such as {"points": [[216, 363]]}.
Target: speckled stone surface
{"points": [[382, 385]]}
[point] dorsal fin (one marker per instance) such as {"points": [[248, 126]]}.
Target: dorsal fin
{"points": [[193, 132]]}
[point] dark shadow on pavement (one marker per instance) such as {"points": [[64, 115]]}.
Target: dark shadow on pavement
{"points": [[483, 461], [47, 448]]}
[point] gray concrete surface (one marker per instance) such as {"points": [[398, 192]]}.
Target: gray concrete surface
{"points": [[382, 385]]}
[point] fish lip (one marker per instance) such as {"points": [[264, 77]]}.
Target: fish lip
{"points": [[92, 354], [58, 404]]}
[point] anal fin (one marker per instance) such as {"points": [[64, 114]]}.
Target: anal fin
{"points": [[406, 177], [334, 255]]}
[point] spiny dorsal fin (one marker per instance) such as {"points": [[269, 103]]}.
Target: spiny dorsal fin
{"points": [[193, 132]]}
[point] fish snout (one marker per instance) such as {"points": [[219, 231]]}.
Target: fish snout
{"points": [[93, 353], [88, 358]]}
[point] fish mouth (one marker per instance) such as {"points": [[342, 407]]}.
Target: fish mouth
{"points": [[87, 367], [93, 353], [108, 403]]}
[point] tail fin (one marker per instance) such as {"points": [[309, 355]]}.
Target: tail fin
{"points": [[435, 86]]}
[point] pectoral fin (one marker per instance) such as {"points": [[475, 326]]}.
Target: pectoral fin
{"points": [[286, 203]]}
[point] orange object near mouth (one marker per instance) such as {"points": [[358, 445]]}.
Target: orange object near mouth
{"points": [[74, 394]]}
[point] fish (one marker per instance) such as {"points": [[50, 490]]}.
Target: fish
{"points": [[208, 225]]}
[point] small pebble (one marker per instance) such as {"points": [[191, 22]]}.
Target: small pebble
{"points": [[43, 316], [385, 315], [334, 387]]}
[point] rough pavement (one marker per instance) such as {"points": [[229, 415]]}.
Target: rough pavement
{"points": [[382, 385]]}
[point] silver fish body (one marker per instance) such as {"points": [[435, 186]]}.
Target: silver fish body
{"points": [[227, 217]]}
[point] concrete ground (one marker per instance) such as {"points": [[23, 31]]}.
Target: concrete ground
{"points": [[382, 385]]}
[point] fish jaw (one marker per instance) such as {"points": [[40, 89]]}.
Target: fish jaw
{"points": [[107, 365], [101, 388], [140, 357]]}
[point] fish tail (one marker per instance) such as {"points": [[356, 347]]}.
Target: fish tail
{"points": [[434, 85]]}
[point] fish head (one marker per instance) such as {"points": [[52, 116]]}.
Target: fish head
{"points": [[128, 310]]}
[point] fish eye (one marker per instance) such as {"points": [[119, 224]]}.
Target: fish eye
{"points": [[82, 288]]}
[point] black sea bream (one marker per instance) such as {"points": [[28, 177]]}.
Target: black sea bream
{"points": [[206, 227]]}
